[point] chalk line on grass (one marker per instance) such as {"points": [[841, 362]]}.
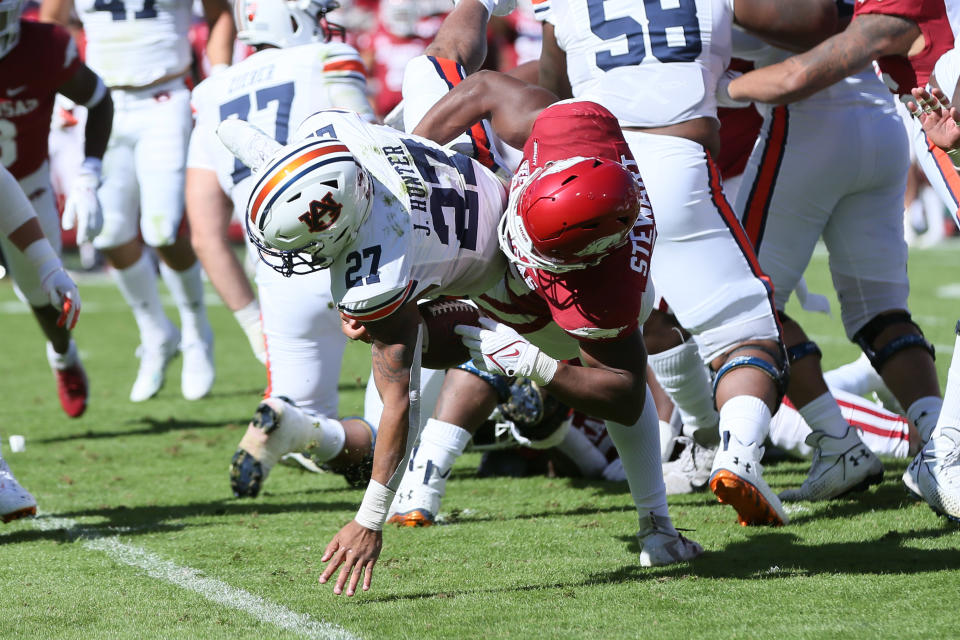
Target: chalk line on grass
{"points": [[193, 580]]}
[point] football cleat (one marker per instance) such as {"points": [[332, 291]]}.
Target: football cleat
{"points": [[277, 428], [73, 389], [911, 476], [840, 466], [154, 359], [939, 473], [198, 374], [15, 501], [737, 480], [414, 518], [691, 471], [661, 544]]}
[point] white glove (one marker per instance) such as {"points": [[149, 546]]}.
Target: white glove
{"points": [[497, 7], [498, 349], [723, 91], [82, 209], [59, 287]]}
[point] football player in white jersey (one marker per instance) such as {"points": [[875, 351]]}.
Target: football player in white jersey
{"points": [[295, 71], [142, 53], [595, 49], [394, 218], [789, 201]]}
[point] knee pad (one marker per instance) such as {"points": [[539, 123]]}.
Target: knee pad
{"points": [[500, 384], [867, 336], [802, 350], [779, 372]]}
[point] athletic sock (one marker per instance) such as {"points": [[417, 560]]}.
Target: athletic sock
{"points": [[441, 443], [61, 361], [950, 411], [681, 373], [823, 415], [186, 288], [138, 284], [639, 449], [924, 414], [328, 440], [747, 418]]}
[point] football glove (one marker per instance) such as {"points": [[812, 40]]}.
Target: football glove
{"points": [[498, 349], [82, 209]]}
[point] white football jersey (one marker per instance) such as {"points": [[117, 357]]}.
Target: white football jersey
{"points": [[273, 89], [135, 43], [650, 63], [432, 228]]}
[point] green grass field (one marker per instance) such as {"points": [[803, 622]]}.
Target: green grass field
{"points": [[139, 536]]}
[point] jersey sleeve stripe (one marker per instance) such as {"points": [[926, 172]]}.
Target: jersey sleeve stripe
{"points": [[384, 309], [353, 65], [284, 172]]}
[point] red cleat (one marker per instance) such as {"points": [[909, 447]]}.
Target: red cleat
{"points": [[73, 390]]}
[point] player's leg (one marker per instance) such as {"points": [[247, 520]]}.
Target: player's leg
{"points": [[160, 156], [133, 268], [209, 212], [15, 501], [304, 355], [725, 305], [466, 400], [72, 386], [639, 449]]}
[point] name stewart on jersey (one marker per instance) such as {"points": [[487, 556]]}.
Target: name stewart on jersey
{"points": [[13, 108], [416, 189]]}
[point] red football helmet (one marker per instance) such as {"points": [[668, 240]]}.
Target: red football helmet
{"points": [[572, 213]]}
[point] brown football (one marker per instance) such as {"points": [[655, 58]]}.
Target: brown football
{"points": [[442, 347]]}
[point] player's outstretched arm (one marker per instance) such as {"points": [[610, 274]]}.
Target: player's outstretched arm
{"points": [[868, 37], [356, 547], [510, 105]]}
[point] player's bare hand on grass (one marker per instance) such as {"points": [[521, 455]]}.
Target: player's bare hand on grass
{"points": [[355, 550], [937, 117]]}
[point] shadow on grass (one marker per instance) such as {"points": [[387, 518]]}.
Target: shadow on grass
{"points": [[153, 426]]}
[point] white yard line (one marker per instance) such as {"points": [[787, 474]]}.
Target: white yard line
{"points": [[193, 580]]}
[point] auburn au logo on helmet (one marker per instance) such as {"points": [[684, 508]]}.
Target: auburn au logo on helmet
{"points": [[323, 214]]}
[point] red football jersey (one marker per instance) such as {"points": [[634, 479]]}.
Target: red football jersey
{"points": [[900, 73], [604, 301], [44, 59]]}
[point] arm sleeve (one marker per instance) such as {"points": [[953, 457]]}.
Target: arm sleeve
{"points": [[15, 208], [343, 79], [68, 57]]}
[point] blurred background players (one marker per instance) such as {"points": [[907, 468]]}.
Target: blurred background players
{"points": [[24, 242], [294, 71], [36, 62], [143, 54]]}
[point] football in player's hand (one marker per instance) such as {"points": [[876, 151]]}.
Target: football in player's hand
{"points": [[442, 347]]}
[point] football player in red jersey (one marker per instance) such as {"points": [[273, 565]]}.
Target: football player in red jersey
{"points": [[36, 62], [21, 231], [906, 38]]}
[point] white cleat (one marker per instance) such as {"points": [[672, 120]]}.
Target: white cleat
{"points": [[911, 477], [199, 372], [840, 466], [939, 473], [737, 480], [154, 359], [661, 544], [15, 501], [418, 498], [278, 427], [691, 471]]}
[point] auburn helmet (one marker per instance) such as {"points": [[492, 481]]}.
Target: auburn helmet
{"points": [[307, 205], [284, 23], [571, 213]]}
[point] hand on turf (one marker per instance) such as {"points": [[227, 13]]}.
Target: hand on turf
{"points": [[357, 549], [937, 117]]}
